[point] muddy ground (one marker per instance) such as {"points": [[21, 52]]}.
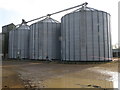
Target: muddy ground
{"points": [[37, 74]]}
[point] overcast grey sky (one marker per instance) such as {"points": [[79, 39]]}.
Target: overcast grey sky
{"points": [[12, 11]]}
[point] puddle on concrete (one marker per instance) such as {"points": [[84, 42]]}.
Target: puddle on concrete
{"points": [[113, 75], [82, 79], [119, 81]]}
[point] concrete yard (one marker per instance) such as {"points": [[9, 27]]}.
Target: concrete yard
{"points": [[37, 74]]}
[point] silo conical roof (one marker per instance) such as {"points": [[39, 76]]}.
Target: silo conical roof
{"points": [[49, 19], [24, 26]]}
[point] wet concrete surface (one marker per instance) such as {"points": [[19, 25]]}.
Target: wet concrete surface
{"points": [[20, 74]]}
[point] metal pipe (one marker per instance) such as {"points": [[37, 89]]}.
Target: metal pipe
{"points": [[68, 9], [36, 19], [84, 4]]}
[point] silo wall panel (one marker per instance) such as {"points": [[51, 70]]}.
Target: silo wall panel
{"points": [[95, 34], [22, 44], [40, 38], [58, 45], [109, 38], [15, 44], [21, 38], [56, 41], [56, 29], [36, 40], [77, 36], [50, 35], [55, 38], [10, 45], [25, 45], [30, 46], [28, 34], [63, 39], [11, 37], [105, 36], [101, 35], [45, 53], [19, 44], [71, 35], [67, 38], [33, 41], [89, 36], [30, 42], [20, 50], [26, 49], [83, 35]]}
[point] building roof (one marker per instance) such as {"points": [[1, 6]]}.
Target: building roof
{"points": [[116, 50]]}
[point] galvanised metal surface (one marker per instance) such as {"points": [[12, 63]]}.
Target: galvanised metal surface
{"points": [[86, 36], [12, 41], [19, 42], [5, 42], [44, 39]]}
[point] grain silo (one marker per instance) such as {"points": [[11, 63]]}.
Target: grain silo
{"points": [[86, 35], [19, 42], [44, 39], [5, 35]]}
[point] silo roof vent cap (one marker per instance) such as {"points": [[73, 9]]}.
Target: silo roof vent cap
{"points": [[23, 25]]}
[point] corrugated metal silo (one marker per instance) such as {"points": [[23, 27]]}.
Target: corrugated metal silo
{"points": [[19, 42], [5, 31], [44, 39], [86, 35]]}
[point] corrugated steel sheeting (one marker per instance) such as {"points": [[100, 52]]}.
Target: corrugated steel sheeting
{"points": [[18, 42], [86, 36], [44, 39]]}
